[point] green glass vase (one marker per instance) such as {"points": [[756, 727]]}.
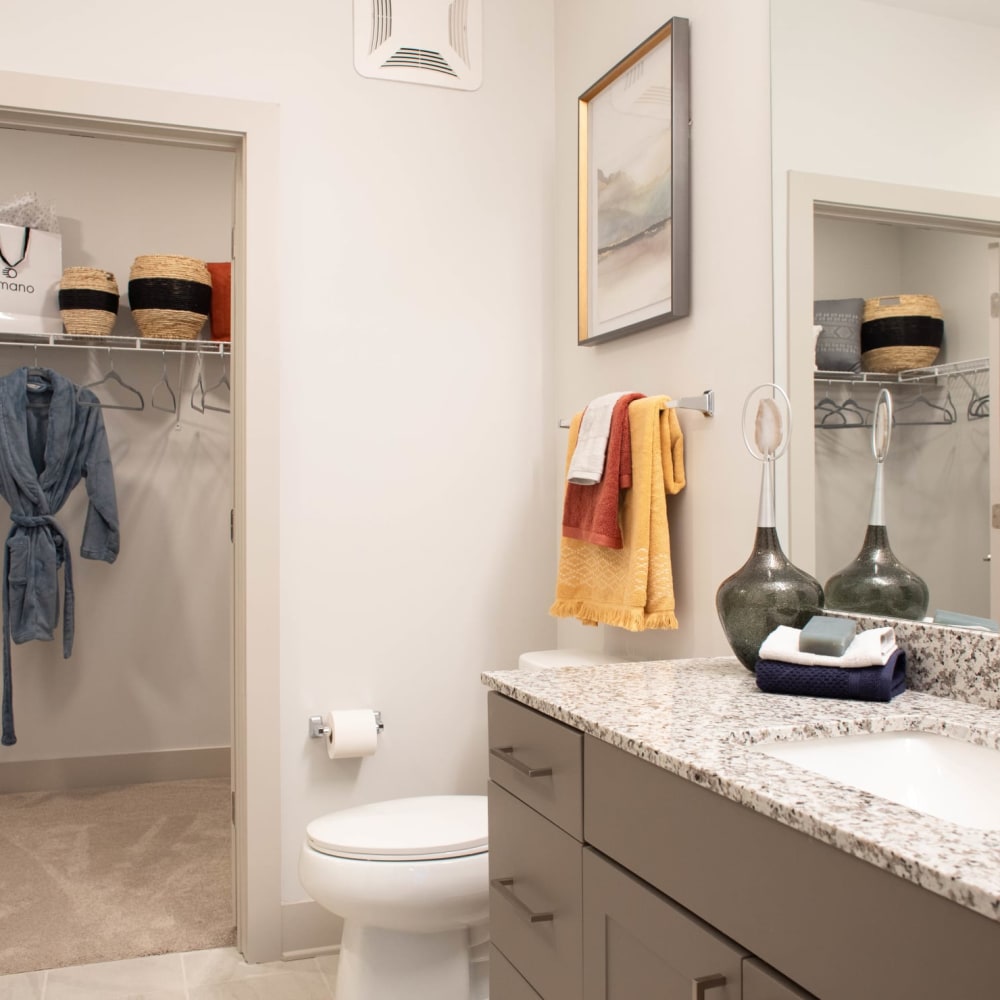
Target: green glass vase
{"points": [[767, 590], [876, 582]]}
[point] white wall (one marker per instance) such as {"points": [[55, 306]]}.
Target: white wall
{"points": [[150, 668], [726, 342], [415, 369]]}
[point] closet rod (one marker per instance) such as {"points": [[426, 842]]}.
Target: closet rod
{"points": [[704, 404], [159, 344]]}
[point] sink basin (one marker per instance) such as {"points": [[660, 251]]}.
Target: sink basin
{"points": [[934, 774]]}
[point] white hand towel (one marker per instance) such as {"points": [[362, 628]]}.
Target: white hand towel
{"points": [[586, 467], [871, 648]]}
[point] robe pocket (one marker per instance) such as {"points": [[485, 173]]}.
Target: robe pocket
{"points": [[17, 581], [33, 587]]}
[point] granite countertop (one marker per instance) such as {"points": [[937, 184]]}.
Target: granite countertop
{"points": [[698, 718]]}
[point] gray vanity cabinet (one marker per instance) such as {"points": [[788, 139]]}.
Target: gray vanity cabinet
{"points": [[638, 944], [761, 982], [568, 922], [536, 852]]}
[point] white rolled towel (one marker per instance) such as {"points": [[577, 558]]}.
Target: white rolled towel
{"points": [[870, 648]]}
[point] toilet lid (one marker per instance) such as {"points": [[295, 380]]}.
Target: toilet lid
{"points": [[425, 828]]}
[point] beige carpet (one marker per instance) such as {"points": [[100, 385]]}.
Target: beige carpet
{"points": [[100, 874]]}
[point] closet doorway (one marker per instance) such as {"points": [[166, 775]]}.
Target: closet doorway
{"points": [[244, 135]]}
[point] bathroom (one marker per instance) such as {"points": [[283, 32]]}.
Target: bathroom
{"points": [[469, 350]]}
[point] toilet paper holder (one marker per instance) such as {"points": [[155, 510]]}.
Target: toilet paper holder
{"points": [[317, 730]]}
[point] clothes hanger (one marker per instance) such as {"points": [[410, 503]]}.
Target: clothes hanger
{"points": [[165, 382], [111, 376], [839, 414], [199, 394], [946, 409]]}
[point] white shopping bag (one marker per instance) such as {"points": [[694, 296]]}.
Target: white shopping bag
{"points": [[30, 272]]}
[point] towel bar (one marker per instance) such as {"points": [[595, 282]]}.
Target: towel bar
{"points": [[704, 404]]}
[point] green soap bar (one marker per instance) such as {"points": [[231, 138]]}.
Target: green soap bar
{"points": [[827, 636], [965, 621]]}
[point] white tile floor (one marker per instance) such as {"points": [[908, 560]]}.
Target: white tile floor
{"points": [[218, 974]]}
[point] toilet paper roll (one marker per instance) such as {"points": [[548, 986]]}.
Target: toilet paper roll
{"points": [[353, 733]]}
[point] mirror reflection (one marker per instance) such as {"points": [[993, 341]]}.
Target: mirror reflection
{"points": [[883, 185]]}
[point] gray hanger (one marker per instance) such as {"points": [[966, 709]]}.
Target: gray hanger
{"points": [[165, 382], [199, 394], [111, 376]]}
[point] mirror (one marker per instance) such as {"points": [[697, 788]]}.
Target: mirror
{"points": [[841, 236]]}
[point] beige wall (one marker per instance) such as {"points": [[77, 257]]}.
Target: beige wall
{"points": [[725, 343]]}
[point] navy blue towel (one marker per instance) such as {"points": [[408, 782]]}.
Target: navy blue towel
{"points": [[876, 683]]}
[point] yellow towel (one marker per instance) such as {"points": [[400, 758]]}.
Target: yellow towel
{"points": [[631, 587]]}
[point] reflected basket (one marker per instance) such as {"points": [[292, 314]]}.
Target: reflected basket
{"points": [[899, 332]]}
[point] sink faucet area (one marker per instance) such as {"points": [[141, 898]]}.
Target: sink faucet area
{"points": [[942, 776]]}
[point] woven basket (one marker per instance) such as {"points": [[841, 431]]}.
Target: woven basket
{"points": [[899, 332], [170, 296], [88, 301]]}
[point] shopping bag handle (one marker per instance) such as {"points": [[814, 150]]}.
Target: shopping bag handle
{"points": [[24, 250]]}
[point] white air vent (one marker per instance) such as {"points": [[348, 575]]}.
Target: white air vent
{"points": [[437, 42]]}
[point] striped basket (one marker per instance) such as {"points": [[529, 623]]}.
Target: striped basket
{"points": [[170, 296], [899, 332], [88, 301]]}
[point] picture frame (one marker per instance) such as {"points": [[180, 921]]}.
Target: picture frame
{"points": [[634, 215]]}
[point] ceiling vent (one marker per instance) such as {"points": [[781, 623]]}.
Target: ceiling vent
{"points": [[437, 42]]}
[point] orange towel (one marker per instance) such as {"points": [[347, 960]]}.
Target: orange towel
{"points": [[590, 513], [631, 587]]}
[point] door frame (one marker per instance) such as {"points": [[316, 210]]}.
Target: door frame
{"points": [[251, 130]]}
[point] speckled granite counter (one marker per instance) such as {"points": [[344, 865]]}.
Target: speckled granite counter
{"points": [[699, 717]]}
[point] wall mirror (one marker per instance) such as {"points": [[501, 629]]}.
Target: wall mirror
{"points": [[851, 238]]}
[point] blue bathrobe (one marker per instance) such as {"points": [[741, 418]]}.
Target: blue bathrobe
{"points": [[49, 440]]}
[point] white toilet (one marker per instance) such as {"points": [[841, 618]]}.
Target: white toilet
{"points": [[410, 878]]}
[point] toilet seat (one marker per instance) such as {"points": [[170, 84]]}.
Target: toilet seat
{"points": [[424, 828]]}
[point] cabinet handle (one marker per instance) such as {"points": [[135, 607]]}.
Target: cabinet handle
{"points": [[506, 754], [502, 885], [702, 984]]}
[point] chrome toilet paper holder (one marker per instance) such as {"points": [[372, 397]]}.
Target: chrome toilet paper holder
{"points": [[317, 730]]}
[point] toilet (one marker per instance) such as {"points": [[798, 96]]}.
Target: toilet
{"points": [[410, 878]]}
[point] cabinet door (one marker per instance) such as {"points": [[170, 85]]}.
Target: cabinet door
{"points": [[535, 896], [506, 983], [761, 982], [639, 945]]}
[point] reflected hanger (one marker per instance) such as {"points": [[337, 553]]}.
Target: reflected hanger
{"points": [[165, 382], [947, 414], [111, 376], [831, 413], [979, 402]]}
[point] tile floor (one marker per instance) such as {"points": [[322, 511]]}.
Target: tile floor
{"points": [[217, 974]]}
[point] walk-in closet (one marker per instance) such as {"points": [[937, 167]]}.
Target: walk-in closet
{"points": [[115, 806]]}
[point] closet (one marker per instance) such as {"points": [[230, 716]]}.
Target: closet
{"points": [[147, 693]]}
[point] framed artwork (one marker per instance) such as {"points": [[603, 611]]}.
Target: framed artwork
{"points": [[634, 190]]}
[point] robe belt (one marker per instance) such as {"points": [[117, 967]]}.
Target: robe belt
{"points": [[30, 522]]}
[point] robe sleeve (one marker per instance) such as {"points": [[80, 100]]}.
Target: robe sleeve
{"points": [[101, 537]]}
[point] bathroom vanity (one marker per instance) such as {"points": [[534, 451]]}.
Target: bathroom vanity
{"points": [[642, 845]]}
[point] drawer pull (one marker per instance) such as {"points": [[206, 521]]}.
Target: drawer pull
{"points": [[506, 754], [502, 885], [702, 984]]}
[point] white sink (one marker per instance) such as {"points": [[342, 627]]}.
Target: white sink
{"points": [[934, 774]]}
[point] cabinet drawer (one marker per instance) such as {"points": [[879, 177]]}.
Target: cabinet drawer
{"points": [[761, 982], [637, 943], [506, 983], [539, 760], [535, 890]]}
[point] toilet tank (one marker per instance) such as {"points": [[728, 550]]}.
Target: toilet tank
{"points": [[544, 658]]}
